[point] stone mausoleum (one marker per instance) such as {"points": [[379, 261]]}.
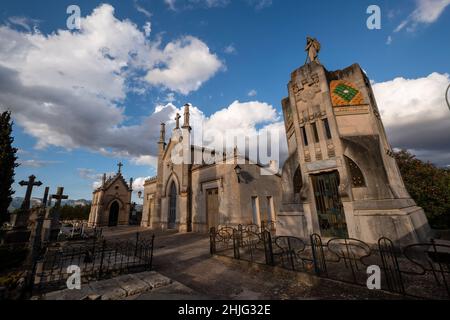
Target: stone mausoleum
{"points": [[341, 179], [111, 203]]}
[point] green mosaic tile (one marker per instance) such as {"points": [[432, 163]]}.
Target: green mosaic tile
{"points": [[345, 92]]}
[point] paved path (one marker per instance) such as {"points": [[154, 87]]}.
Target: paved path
{"points": [[185, 258]]}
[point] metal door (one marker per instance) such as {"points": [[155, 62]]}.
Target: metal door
{"points": [[329, 205]]}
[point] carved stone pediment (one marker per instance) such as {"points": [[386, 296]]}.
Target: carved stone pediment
{"points": [[305, 90]]}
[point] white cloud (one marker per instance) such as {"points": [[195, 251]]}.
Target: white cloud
{"points": [[188, 63], [416, 115], [389, 40], [147, 28], [260, 4], [176, 5], [145, 160], [252, 93], [230, 49], [37, 163], [142, 10], [26, 23], [67, 89], [170, 4], [426, 12], [138, 183]]}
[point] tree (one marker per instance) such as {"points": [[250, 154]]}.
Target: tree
{"points": [[8, 163], [428, 185], [75, 212]]}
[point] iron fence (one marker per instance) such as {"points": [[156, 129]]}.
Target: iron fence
{"points": [[418, 270], [97, 259]]}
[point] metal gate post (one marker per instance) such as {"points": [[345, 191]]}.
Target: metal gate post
{"points": [[212, 241]]}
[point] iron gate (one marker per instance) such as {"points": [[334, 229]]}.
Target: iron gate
{"points": [[329, 205]]}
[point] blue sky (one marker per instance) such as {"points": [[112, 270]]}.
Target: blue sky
{"points": [[248, 49]]}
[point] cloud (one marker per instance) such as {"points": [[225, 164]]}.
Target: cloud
{"points": [[170, 4], [67, 89], [188, 63], [230, 49], [142, 10], [145, 160], [147, 28], [89, 174], [177, 5], [93, 176], [389, 40], [426, 12], [260, 4], [32, 163], [416, 115], [138, 183], [252, 93], [26, 23]]}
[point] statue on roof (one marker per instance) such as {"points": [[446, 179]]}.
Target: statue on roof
{"points": [[313, 49]]}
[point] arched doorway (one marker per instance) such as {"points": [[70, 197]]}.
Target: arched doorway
{"points": [[172, 207], [114, 214]]}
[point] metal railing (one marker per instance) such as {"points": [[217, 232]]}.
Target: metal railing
{"points": [[418, 270], [96, 260]]}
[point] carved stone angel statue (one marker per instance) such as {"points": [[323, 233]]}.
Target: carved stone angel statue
{"points": [[313, 49]]}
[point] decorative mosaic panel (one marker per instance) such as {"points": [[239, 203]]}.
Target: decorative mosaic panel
{"points": [[345, 93]]}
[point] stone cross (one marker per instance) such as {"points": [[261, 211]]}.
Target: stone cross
{"points": [[29, 184], [59, 196], [120, 165], [55, 225], [177, 119], [45, 198]]}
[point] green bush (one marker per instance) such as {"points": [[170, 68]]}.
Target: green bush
{"points": [[429, 186]]}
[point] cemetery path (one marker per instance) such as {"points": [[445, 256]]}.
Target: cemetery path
{"points": [[185, 258]]}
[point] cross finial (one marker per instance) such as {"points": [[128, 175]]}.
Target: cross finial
{"points": [[120, 165], [59, 196], [177, 119]]}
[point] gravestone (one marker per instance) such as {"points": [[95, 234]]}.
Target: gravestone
{"points": [[55, 226], [20, 232]]}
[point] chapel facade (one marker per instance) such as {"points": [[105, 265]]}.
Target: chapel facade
{"points": [[189, 195], [111, 202]]}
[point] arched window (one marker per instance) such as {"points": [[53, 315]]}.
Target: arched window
{"points": [[172, 206], [358, 180], [298, 180]]}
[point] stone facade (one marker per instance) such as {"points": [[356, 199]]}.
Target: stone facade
{"points": [[111, 203], [341, 179], [196, 197]]}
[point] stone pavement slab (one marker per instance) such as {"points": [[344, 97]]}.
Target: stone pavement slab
{"points": [[119, 288], [108, 289], [154, 279]]}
